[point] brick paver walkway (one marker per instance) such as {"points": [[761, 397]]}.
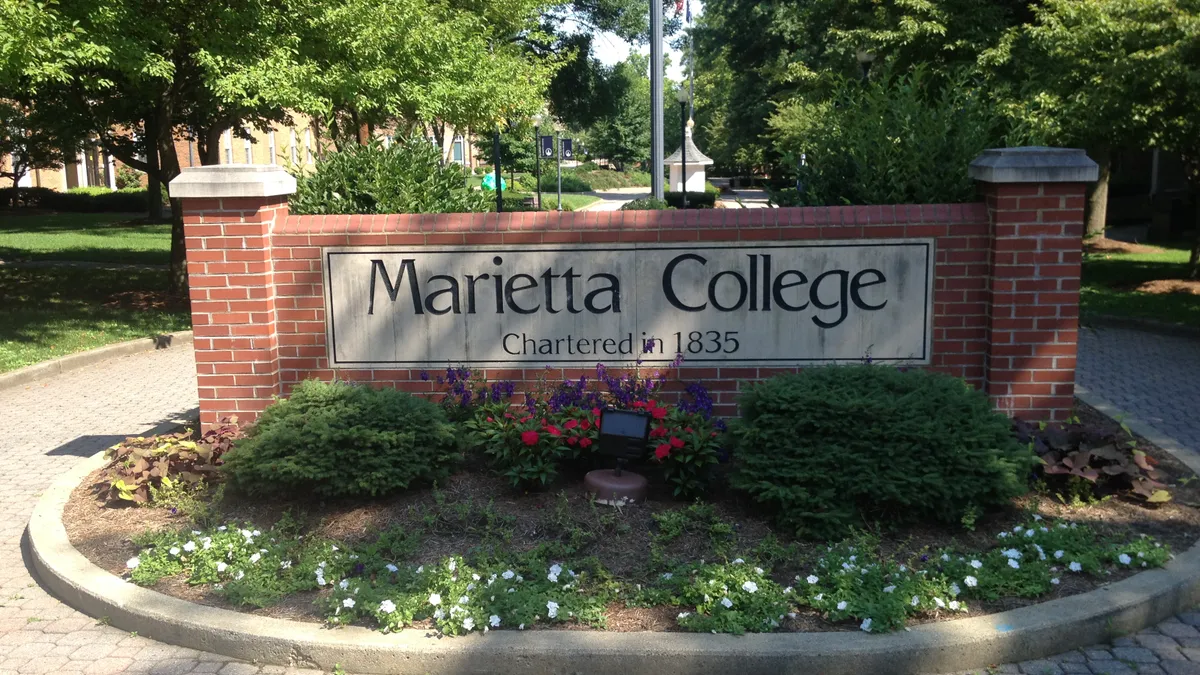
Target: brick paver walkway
{"points": [[1153, 377], [46, 428]]}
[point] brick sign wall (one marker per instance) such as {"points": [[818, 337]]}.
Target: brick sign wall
{"points": [[1005, 282]]}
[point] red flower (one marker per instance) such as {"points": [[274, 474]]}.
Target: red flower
{"points": [[529, 437], [595, 412], [491, 420], [676, 442], [526, 419], [585, 442], [658, 432], [659, 413], [662, 451], [571, 440], [570, 424], [508, 415], [585, 425], [689, 430], [553, 430], [639, 404]]}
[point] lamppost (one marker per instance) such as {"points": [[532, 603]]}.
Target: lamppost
{"points": [[558, 158], [537, 151], [496, 157], [865, 58], [683, 102]]}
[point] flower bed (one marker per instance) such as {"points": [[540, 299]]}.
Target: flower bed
{"points": [[507, 539]]}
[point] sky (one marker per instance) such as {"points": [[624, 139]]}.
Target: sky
{"points": [[610, 49]]}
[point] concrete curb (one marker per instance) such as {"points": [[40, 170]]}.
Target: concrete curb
{"points": [[1018, 635], [40, 371], [1146, 325]]}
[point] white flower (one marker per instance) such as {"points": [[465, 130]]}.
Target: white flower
{"points": [[841, 605], [451, 565], [508, 574], [945, 557], [247, 534], [552, 577], [954, 605], [1017, 528], [255, 558], [954, 589], [750, 587], [286, 564], [971, 582], [1036, 517], [812, 579], [1075, 567], [889, 589], [392, 568], [1058, 555], [494, 620], [468, 623], [758, 570], [1124, 559], [256, 533], [387, 606], [1141, 555], [916, 601], [866, 625], [420, 568], [239, 575], [133, 563], [207, 541], [853, 558], [1011, 553], [190, 546], [551, 609], [463, 600], [221, 528], [739, 561], [939, 603], [475, 577], [521, 627], [683, 615], [976, 564], [1029, 533], [1054, 581], [1014, 564], [1003, 535], [667, 575], [727, 602], [819, 597], [438, 613], [221, 567], [174, 550], [435, 599], [344, 584]]}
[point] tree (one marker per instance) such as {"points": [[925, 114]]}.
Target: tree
{"points": [[1100, 74], [623, 137], [30, 141], [137, 73]]}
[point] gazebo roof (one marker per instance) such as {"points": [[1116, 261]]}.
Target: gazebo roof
{"points": [[694, 156]]}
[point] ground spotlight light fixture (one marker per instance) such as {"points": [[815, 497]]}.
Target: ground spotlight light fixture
{"points": [[624, 436]]}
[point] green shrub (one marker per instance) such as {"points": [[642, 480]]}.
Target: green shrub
{"points": [[842, 446], [786, 197], [695, 200], [647, 204], [570, 182], [128, 177], [77, 200], [407, 177], [900, 138], [342, 440], [607, 179]]}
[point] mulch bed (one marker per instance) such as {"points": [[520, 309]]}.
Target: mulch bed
{"points": [[455, 516]]}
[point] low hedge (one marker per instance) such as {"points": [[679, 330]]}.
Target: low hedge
{"points": [[76, 200], [695, 200], [647, 204]]}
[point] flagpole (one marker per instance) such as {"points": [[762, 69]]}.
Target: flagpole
{"points": [[691, 64], [656, 99]]}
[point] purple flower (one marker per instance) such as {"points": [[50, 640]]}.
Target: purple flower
{"points": [[424, 376]]}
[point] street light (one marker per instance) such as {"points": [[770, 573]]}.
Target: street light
{"points": [[537, 151], [683, 101], [865, 58]]}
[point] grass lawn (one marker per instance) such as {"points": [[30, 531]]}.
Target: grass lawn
{"points": [[98, 237], [50, 312], [1138, 281]]}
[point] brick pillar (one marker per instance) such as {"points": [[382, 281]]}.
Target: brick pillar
{"points": [[228, 214], [1035, 198]]}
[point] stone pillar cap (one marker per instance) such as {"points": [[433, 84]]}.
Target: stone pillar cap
{"points": [[1034, 165], [232, 180]]}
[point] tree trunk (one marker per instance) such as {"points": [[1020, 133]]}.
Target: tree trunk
{"points": [[153, 170], [1097, 204], [177, 279], [208, 146], [1194, 260]]}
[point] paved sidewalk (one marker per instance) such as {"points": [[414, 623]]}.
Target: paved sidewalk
{"points": [[1153, 377], [47, 427]]}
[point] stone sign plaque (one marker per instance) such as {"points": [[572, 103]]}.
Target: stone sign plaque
{"points": [[769, 304]]}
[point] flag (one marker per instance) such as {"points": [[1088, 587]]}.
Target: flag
{"points": [[688, 17], [678, 7]]}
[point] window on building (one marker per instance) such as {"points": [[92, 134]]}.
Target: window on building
{"points": [[249, 141], [229, 146], [271, 147], [308, 146], [293, 153], [457, 151]]}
